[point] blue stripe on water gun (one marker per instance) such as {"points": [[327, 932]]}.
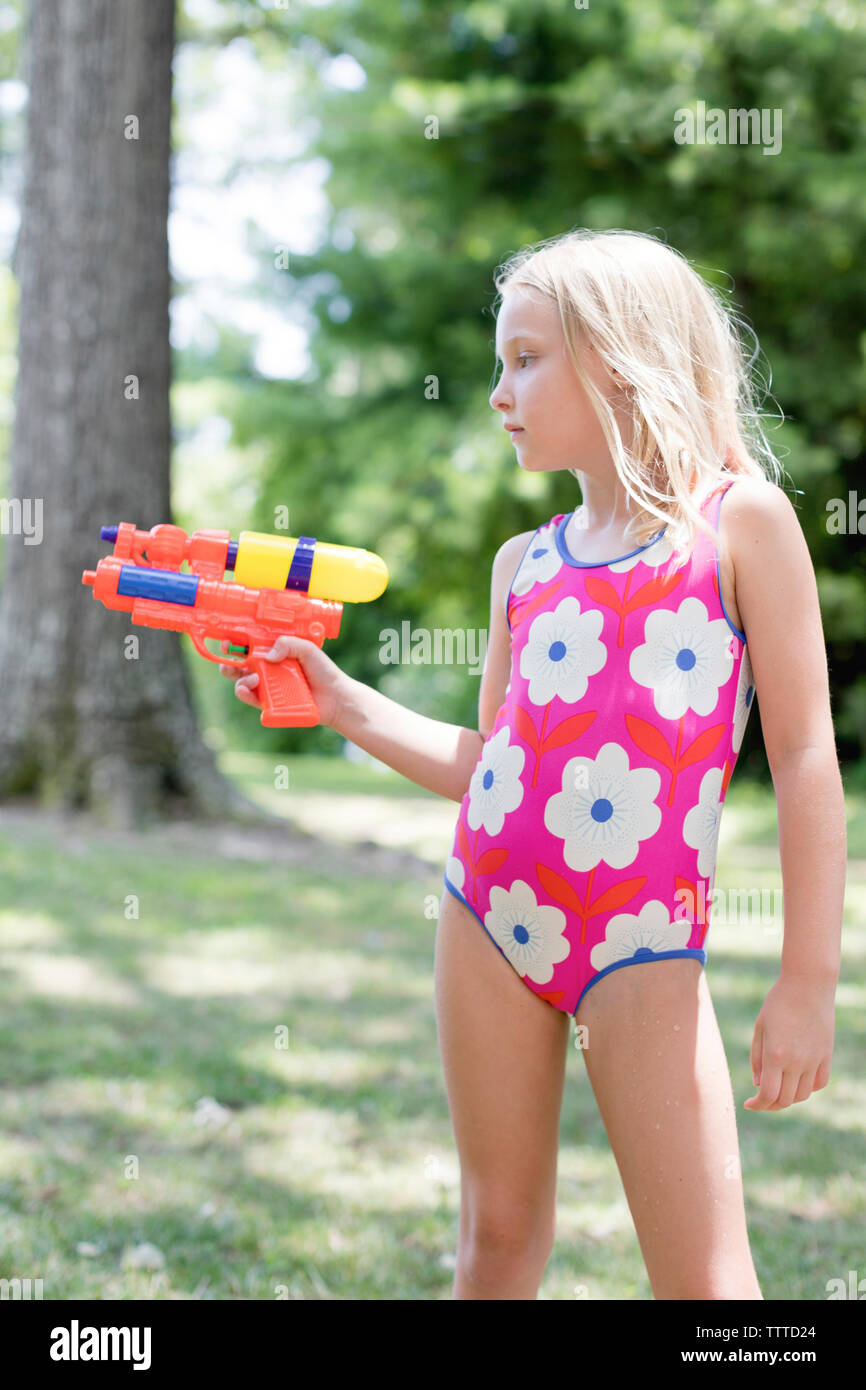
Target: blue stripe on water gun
{"points": [[164, 585]]}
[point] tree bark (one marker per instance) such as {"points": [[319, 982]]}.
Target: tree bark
{"points": [[83, 725]]}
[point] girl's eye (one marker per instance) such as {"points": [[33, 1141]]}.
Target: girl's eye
{"points": [[523, 358]]}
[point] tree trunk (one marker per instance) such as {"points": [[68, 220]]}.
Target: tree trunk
{"points": [[83, 725]]}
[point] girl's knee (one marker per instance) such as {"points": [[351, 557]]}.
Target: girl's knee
{"points": [[507, 1234]]}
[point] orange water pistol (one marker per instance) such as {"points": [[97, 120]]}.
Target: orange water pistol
{"points": [[281, 585]]}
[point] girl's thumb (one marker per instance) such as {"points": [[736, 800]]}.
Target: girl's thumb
{"points": [[286, 645]]}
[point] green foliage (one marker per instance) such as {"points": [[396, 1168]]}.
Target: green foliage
{"points": [[549, 117], [12, 16]]}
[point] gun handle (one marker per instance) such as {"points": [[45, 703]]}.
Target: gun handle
{"points": [[283, 691]]}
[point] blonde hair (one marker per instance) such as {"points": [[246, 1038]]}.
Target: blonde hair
{"points": [[674, 343]]}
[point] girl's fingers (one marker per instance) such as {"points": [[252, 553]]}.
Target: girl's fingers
{"points": [[806, 1086], [244, 688], [757, 1053], [769, 1090], [788, 1089], [284, 645], [822, 1076]]}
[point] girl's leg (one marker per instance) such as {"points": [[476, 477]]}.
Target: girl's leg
{"points": [[504, 1052], [657, 1066]]}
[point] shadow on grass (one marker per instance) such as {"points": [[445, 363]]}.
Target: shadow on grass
{"points": [[236, 1062]]}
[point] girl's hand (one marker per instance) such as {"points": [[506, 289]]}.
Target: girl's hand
{"points": [[328, 684], [793, 1043]]}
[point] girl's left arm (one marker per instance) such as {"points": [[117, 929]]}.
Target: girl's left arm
{"points": [[777, 598]]}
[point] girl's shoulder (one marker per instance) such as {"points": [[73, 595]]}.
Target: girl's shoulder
{"points": [[749, 504], [759, 539], [514, 547]]}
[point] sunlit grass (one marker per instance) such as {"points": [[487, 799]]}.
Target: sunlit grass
{"points": [[236, 1062]]}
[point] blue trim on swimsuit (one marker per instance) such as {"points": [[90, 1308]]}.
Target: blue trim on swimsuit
{"points": [[692, 953], [461, 898], [595, 564], [688, 953], [741, 635], [533, 537]]}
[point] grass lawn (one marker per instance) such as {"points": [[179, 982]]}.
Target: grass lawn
{"points": [[220, 1073]]}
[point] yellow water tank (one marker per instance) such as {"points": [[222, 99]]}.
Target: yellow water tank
{"points": [[340, 573]]}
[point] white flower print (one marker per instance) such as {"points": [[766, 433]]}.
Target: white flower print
{"points": [[495, 787], [656, 553], [532, 937], [604, 809], [562, 651], [648, 934], [701, 824], [540, 563], [744, 701], [685, 659], [455, 872]]}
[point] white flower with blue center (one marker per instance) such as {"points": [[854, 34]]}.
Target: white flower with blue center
{"points": [[495, 787], [455, 872], [562, 651], [532, 937], [540, 563], [630, 937], [744, 701], [685, 659], [702, 822], [604, 809], [656, 553]]}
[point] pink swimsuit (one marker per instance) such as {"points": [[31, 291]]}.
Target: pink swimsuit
{"points": [[586, 840]]}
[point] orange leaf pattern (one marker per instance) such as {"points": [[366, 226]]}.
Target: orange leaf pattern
{"points": [[598, 849]]}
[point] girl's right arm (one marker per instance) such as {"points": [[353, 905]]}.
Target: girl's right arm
{"points": [[441, 757], [438, 756]]}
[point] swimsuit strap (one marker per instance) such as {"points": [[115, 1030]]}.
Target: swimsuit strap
{"points": [[721, 486]]}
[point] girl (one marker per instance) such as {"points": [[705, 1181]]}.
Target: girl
{"points": [[618, 680]]}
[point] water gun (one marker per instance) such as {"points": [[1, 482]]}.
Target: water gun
{"points": [[281, 585]]}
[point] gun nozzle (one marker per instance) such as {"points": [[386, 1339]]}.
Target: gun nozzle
{"points": [[88, 577]]}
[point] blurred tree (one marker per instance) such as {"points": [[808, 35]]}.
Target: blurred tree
{"points": [[91, 441]]}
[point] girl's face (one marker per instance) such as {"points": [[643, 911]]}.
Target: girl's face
{"points": [[540, 391]]}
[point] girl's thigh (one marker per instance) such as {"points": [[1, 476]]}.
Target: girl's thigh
{"points": [[504, 1054], [657, 1066]]}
